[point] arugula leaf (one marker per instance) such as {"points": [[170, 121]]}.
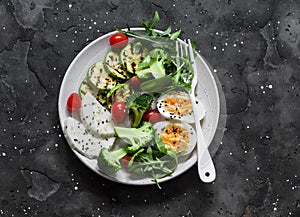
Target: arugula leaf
{"points": [[167, 31], [149, 26], [149, 164], [153, 40], [175, 35], [156, 162], [184, 74], [133, 157], [163, 40]]}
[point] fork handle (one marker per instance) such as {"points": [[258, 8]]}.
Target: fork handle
{"points": [[206, 168]]}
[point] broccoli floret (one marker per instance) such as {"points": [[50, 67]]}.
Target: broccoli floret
{"points": [[136, 137], [138, 103], [108, 161]]}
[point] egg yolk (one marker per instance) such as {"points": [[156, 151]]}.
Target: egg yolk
{"points": [[175, 137], [179, 104]]}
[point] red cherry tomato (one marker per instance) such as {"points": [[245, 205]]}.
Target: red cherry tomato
{"points": [[74, 102], [135, 81], [118, 112], [152, 116], [118, 40], [125, 160]]}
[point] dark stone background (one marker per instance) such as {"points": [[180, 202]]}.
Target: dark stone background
{"points": [[254, 48]]}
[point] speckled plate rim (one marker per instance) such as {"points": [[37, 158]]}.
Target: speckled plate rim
{"points": [[209, 131]]}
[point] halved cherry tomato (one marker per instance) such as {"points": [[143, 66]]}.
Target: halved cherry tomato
{"points": [[118, 112], [152, 116], [118, 40], [125, 160], [74, 102], [135, 81]]}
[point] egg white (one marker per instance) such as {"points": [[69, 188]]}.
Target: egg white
{"points": [[189, 118]]}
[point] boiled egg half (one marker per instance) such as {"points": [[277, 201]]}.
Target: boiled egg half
{"points": [[177, 136], [177, 105]]}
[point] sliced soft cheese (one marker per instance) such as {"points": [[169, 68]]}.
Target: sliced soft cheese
{"points": [[82, 141], [95, 117]]}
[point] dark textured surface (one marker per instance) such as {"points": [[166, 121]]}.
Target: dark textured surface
{"points": [[254, 48]]}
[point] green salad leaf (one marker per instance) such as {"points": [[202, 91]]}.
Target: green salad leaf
{"points": [[165, 40], [184, 74], [146, 163], [153, 65]]}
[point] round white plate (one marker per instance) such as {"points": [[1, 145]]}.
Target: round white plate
{"points": [[207, 93]]}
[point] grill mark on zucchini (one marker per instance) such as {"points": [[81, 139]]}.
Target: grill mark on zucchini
{"points": [[85, 88], [113, 66], [131, 48], [99, 78], [133, 67], [131, 56]]}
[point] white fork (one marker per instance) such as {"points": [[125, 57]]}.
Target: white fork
{"points": [[206, 168]]}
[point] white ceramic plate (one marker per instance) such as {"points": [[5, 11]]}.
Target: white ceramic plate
{"points": [[207, 92]]}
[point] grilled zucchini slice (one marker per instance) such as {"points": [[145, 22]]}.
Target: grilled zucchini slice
{"points": [[114, 67], [99, 78], [85, 88], [131, 55]]}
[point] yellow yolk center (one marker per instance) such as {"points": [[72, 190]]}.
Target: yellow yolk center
{"points": [[175, 137], [179, 104]]}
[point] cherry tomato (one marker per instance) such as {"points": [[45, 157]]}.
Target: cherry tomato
{"points": [[118, 40], [74, 102], [118, 112], [125, 160], [152, 116], [135, 81]]}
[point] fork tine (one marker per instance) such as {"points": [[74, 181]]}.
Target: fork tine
{"points": [[192, 57], [186, 49], [181, 50]]}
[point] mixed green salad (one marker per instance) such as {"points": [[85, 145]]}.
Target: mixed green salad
{"points": [[134, 108]]}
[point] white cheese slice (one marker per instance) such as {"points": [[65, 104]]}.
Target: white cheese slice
{"points": [[82, 141], [95, 117]]}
